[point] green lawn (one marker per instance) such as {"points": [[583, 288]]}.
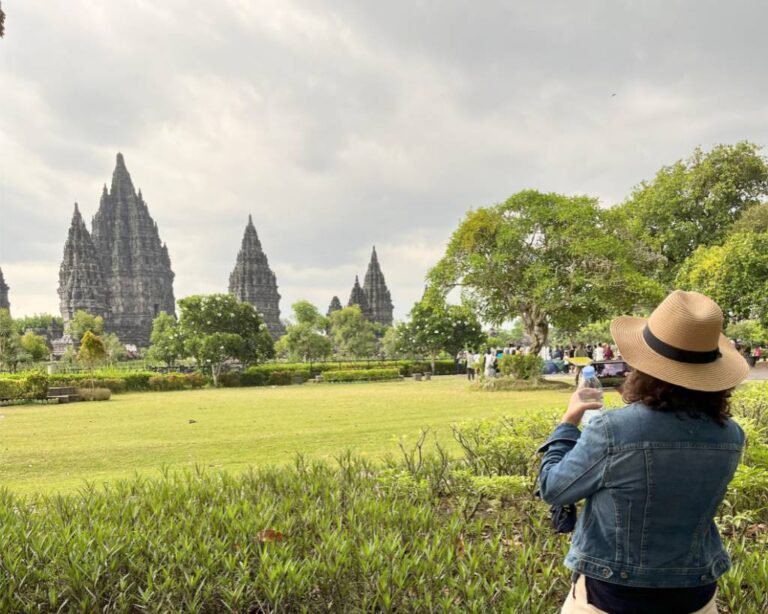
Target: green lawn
{"points": [[55, 448]]}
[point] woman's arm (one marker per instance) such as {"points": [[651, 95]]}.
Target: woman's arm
{"points": [[574, 461]]}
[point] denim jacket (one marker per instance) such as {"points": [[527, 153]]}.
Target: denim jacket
{"points": [[652, 481]]}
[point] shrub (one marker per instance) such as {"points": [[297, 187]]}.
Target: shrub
{"points": [[35, 386], [521, 366], [359, 375], [11, 389], [254, 377], [507, 383], [95, 394], [230, 379], [286, 378]]}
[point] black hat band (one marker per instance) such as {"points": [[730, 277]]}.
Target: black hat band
{"points": [[673, 353]]}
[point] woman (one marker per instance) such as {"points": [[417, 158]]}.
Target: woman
{"points": [[654, 472]]}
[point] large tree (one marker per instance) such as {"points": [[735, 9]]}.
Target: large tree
{"points": [[11, 351], [436, 327], [734, 275], [35, 346], [166, 343], [353, 335], [548, 258], [305, 339], [210, 324], [83, 322], [693, 202]]}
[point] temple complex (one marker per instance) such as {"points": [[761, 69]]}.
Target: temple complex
{"points": [[377, 293], [122, 270], [4, 302], [357, 297], [252, 281]]}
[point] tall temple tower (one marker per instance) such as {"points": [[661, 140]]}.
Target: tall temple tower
{"points": [[121, 270], [252, 281], [4, 302], [81, 282], [377, 293], [357, 297], [134, 261]]}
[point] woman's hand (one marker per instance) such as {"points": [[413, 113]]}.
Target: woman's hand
{"points": [[581, 401]]}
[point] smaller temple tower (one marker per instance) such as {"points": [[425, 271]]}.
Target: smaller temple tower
{"points": [[252, 281], [4, 302], [334, 306], [357, 297], [81, 282], [377, 293]]}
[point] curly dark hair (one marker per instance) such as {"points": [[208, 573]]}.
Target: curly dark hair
{"points": [[663, 396]]}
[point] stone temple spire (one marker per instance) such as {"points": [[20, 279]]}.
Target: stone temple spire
{"points": [[134, 261], [4, 302], [81, 283], [252, 281], [377, 293], [357, 297], [334, 306]]}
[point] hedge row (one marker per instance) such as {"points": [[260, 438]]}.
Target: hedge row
{"points": [[360, 375], [35, 385]]}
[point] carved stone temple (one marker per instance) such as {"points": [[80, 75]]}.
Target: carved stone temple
{"points": [[4, 302], [122, 270], [373, 297], [377, 293], [252, 281]]}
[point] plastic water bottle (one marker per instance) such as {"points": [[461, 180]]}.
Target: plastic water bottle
{"points": [[590, 390]]}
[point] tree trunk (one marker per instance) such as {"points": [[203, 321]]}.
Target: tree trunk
{"points": [[432, 361], [536, 327]]}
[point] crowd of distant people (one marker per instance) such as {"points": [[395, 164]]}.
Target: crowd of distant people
{"points": [[486, 363]]}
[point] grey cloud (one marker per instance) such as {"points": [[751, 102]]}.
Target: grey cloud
{"points": [[344, 124]]}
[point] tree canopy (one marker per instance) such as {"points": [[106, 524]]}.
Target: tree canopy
{"points": [[694, 202], [352, 334], [305, 339], [210, 324], [166, 343], [549, 258], [734, 275]]}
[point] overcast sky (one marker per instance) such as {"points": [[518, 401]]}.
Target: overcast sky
{"points": [[344, 124]]}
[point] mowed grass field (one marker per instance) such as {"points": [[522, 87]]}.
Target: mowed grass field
{"points": [[47, 449]]}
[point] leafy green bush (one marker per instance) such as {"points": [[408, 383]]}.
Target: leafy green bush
{"points": [[507, 383], [360, 375], [95, 394], [35, 386], [11, 389], [521, 366]]}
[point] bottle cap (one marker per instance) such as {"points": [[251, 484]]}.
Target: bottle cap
{"points": [[588, 371]]}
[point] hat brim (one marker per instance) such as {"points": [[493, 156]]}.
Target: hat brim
{"points": [[724, 373]]}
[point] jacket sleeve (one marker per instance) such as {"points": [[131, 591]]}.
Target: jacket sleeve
{"points": [[573, 463]]}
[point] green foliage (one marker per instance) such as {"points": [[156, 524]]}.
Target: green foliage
{"points": [[11, 389], [750, 332], [734, 275], [306, 339], [548, 258], [217, 328], [521, 366], [92, 352], [360, 375], [12, 354], [37, 321], [114, 348], [754, 219], [166, 341], [176, 381], [35, 346], [694, 203], [353, 336], [436, 327], [95, 394], [84, 322]]}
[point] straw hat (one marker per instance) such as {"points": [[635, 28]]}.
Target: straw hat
{"points": [[682, 343]]}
